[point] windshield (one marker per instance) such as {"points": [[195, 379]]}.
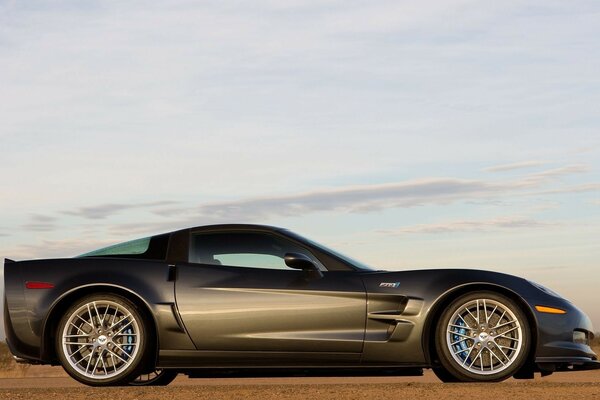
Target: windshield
{"points": [[325, 249]]}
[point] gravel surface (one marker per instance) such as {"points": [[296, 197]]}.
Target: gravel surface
{"points": [[580, 385]]}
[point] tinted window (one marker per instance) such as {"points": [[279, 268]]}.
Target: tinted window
{"points": [[249, 250], [151, 248]]}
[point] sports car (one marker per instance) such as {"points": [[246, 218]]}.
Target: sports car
{"points": [[260, 298]]}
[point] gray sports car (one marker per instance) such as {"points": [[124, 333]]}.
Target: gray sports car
{"points": [[249, 297]]}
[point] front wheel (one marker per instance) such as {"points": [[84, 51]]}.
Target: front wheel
{"points": [[482, 336], [101, 340]]}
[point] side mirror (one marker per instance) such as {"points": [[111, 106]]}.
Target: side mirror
{"points": [[299, 261]]}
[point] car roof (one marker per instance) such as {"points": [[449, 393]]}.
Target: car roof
{"points": [[215, 227]]}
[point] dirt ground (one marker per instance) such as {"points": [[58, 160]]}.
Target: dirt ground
{"points": [[580, 385]]}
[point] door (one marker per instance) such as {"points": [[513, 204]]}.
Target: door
{"points": [[237, 294]]}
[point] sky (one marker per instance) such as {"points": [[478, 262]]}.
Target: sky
{"points": [[407, 134]]}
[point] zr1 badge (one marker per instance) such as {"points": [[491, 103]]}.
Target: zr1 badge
{"points": [[389, 284]]}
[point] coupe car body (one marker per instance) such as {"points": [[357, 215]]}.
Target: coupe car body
{"points": [[249, 296]]}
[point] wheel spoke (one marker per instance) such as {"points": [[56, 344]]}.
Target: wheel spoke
{"points": [[472, 316], [123, 350], [97, 361], [459, 334], [509, 338], [472, 362], [86, 322], [500, 319], [104, 366], [76, 327], [123, 327], [100, 321], [79, 349], [89, 362], [503, 353], [506, 347], [118, 356], [84, 358], [504, 324], [497, 358], [112, 358], [485, 312], [105, 313], [459, 326], [462, 351], [458, 341], [468, 355], [467, 325]]}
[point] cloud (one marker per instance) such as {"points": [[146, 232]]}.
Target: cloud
{"points": [[500, 223], [369, 198], [42, 218], [584, 187], [105, 210], [39, 227], [351, 199], [55, 248], [513, 166], [40, 223], [560, 171]]}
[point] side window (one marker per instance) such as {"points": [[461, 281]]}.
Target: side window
{"points": [[248, 250]]}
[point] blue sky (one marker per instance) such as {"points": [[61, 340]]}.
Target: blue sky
{"points": [[408, 134]]}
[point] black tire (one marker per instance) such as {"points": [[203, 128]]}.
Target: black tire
{"points": [[106, 334], [444, 375], [160, 377], [491, 350]]}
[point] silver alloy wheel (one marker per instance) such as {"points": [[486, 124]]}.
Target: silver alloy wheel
{"points": [[484, 336], [100, 339]]}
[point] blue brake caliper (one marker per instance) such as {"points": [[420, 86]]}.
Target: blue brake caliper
{"points": [[128, 348], [463, 344]]}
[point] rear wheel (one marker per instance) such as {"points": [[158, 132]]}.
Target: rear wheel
{"points": [[101, 340], [482, 336], [159, 377]]}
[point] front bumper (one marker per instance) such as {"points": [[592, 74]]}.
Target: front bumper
{"points": [[557, 350], [552, 364]]}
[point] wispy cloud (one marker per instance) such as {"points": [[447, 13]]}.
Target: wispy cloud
{"points": [[584, 187], [39, 227], [513, 166], [40, 223], [369, 198], [485, 225], [55, 248], [352, 199], [560, 171], [105, 210], [42, 218]]}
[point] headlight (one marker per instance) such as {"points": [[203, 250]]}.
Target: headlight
{"points": [[545, 289]]}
